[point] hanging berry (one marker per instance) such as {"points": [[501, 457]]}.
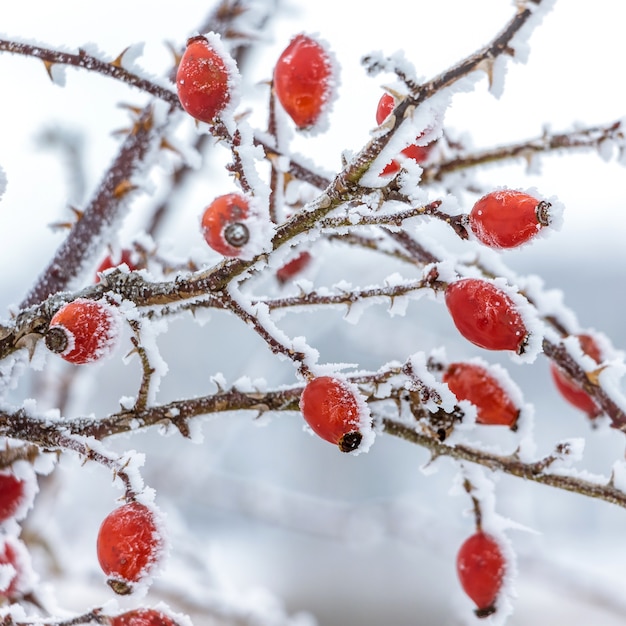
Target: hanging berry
{"points": [[481, 568], [472, 382], [223, 224], [569, 388], [334, 411], [83, 330], [508, 218], [485, 315], [293, 267], [304, 81], [126, 257], [129, 545], [205, 78], [142, 617], [419, 154]]}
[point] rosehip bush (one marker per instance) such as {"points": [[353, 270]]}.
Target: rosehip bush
{"points": [[332, 230]]}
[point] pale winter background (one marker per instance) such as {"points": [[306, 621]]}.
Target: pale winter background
{"points": [[265, 514]]}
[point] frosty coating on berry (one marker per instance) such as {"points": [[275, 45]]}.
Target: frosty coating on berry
{"points": [[303, 80], [333, 411], [203, 79], [508, 218]]}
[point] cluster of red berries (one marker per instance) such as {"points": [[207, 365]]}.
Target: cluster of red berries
{"points": [[15, 499], [481, 568], [129, 546]]}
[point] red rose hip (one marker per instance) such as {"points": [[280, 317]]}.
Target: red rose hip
{"points": [[418, 153], [129, 545], [569, 388], [303, 80], [223, 224], [485, 315], [293, 267], [481, 568], [472, 382], [12, 495], [109, 262], [14, 553], [142, 617], [508, 218], [204, 79], [333, 411], [83, 331]]}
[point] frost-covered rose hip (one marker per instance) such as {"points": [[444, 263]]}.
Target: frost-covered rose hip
{"points": [[508, 218], [472, 382], [15, 583], [204, 79], [129, 545], [83, 331], [333, 410], [418, 153], [485, 315], [109, 262], [293, 267], [569, 388], [481, 568], [303, 80], [12, 495], [223, 224], [142, 617]]}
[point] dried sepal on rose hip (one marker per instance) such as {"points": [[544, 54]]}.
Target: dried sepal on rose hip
{"points": [[569, 388], [142, 617], [508, 218], [206, 78], [481, 568], [224, 224], [130, 545], [304, 81], [83, 331], [335, 411], [419, 154], [476, 384], [486, 315]]}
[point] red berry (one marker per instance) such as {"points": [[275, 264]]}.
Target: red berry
{"points": [[418, 153], [480, 566], [472, 382], [223, 224], [508, 218], [126, 257], [293, 267], [333, 411], [142, 617], [569, 388], [13, 552], [486, 315], [303, 80], [129, 545], [203, 80], [11, 495], [83, 331]]}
